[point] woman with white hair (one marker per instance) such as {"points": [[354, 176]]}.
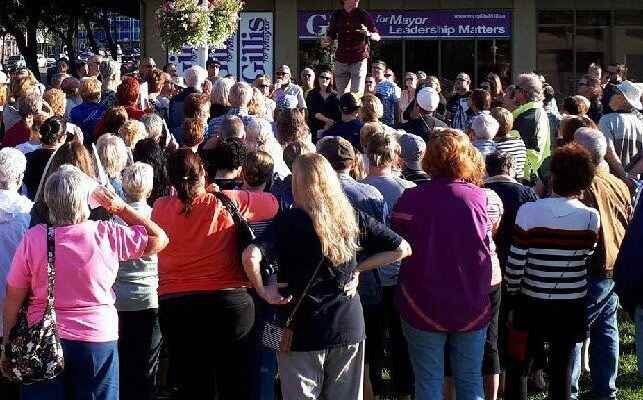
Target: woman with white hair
{"points": [[259, 136], [110, 75], [219, 97], [315, 244], [14, 222], [86, 255], [113, 155], [137, 301]]}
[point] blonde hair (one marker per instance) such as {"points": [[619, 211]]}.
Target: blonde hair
{"points": [[19, 86], [132, 131], [57, 101], [257, 105], [138, 180], [368, 130], [317, 191], [505, 119], [372, 109], [583, 104], [90, 89], [382, 150], [113, 154], [3, 94]]}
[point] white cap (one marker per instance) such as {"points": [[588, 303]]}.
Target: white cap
{"points": [[428, 99], [485, 126]]}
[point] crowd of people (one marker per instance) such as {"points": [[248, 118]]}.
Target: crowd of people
{"points": [[464, 240]]}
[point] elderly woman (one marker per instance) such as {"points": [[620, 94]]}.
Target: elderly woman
{"points": [[14, 221], [259, 136], [546, 275], [264, 85], [206, 313], [131, 132], [110, 75], [446, 261], [194, 78], [156, 102], [87, 114], [113, 154], [87, 254], [19, 86], [28, 106], [127, 96], [156, 128], [137, 301], [315, 244], [219, 97]]}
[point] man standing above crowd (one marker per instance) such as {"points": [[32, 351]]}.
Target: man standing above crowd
{"points": [[285, 86], [458, 112], [532, 122], [353, 28]]}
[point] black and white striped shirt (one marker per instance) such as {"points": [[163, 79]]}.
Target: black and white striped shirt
{"points": [[513, 144], [553, 240]]}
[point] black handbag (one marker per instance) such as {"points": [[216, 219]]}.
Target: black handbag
{"points": [[245, 234], [35, 353]]}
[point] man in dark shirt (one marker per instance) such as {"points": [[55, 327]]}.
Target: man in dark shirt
{"points": [[349, 126], [353, 28], [458, 111], [422, 122]]}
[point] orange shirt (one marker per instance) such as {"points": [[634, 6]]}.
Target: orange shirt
{"points": [[203, 253]]}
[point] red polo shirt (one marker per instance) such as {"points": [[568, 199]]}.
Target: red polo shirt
{"points": [[352, 46], [17, 134]]}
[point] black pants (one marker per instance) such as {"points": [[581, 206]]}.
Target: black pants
{"points": [[559, 323], [401, 370], [139, 346], [207, 336]]}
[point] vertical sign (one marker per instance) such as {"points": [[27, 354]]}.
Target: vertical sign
{"points": [[227, 56], [255, 45], [245, 55]]}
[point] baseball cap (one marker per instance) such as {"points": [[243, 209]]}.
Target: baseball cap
{"points": [[212, 63], [412, 149], [338, 151], [349, 102], [485, 126], [428, 99]]}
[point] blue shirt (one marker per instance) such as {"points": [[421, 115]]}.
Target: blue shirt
{"points": [[215, 123], [386, 92], [86, 115]]}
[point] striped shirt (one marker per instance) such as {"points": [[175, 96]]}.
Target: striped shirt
{"points": [[553, 241], [513, 144]]}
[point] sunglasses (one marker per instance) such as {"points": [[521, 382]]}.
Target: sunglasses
{"points": [[388, 75]]}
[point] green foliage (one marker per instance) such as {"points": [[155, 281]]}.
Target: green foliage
{"points": [[187, 22]]}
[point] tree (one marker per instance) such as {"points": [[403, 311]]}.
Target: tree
{"points": [[21, 19]]}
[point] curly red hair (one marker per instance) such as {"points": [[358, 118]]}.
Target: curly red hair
{"points": [[128, 91], [448, 155]]}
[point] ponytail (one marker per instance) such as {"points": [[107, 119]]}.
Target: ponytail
{"points": [[185, 170]]}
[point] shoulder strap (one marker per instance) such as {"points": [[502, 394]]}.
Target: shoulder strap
{"points": [[234, 211], [51, 266], [303, 294]]}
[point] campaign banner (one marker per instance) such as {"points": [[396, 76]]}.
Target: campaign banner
{"points": [[227, 55], [419, 24], [256, 33], [245, 55]]}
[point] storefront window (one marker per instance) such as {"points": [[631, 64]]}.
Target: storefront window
{"points": [[555, 57], [389, 51], [457, 56], [494, 56], [422, 55]]}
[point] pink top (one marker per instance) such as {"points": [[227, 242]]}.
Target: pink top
{"points": [[87, 256]]}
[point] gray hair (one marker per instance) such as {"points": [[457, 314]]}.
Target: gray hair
{"points": [[30, 103], [258, 133], [240, 94], [66, 192], [113, 154], [195, 76], [153, 124], [593, 141], [532, 85], [221, 91], [12, 167], [138, 180]]}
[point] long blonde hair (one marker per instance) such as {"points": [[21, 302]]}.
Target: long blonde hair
{"points": [[317, 191]]}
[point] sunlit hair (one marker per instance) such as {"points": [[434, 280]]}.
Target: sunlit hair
{"points": [[132, 131], [505, 120], [221, 91], [193, 131], [138, 180], [448, 155], [372, 109], [296, 149], [90, 89], [291, 126], [20, 85], [3, 94], [434, 82], [128, 91], [317, 191], [113, 154], [382, 150], [495, 85], [479, 168], [155, 80], [257, 168], [57, 101], [570, 124], [257, 105], [368, 130], [66, 196], [583, 104]]}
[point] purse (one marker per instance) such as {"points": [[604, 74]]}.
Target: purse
{"points": [[245, 234], [34, 353], [279, 338]]}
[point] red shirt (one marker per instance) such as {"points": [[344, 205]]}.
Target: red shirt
{"points": [[352, 46], [203, 254], [17, 134]]}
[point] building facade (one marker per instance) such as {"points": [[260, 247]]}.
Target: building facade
{"points": [[558, 38]]}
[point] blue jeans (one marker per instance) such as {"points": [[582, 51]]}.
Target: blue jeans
{"points": [[602, 304], [91, 372], [426, 350], [638, 324]]}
